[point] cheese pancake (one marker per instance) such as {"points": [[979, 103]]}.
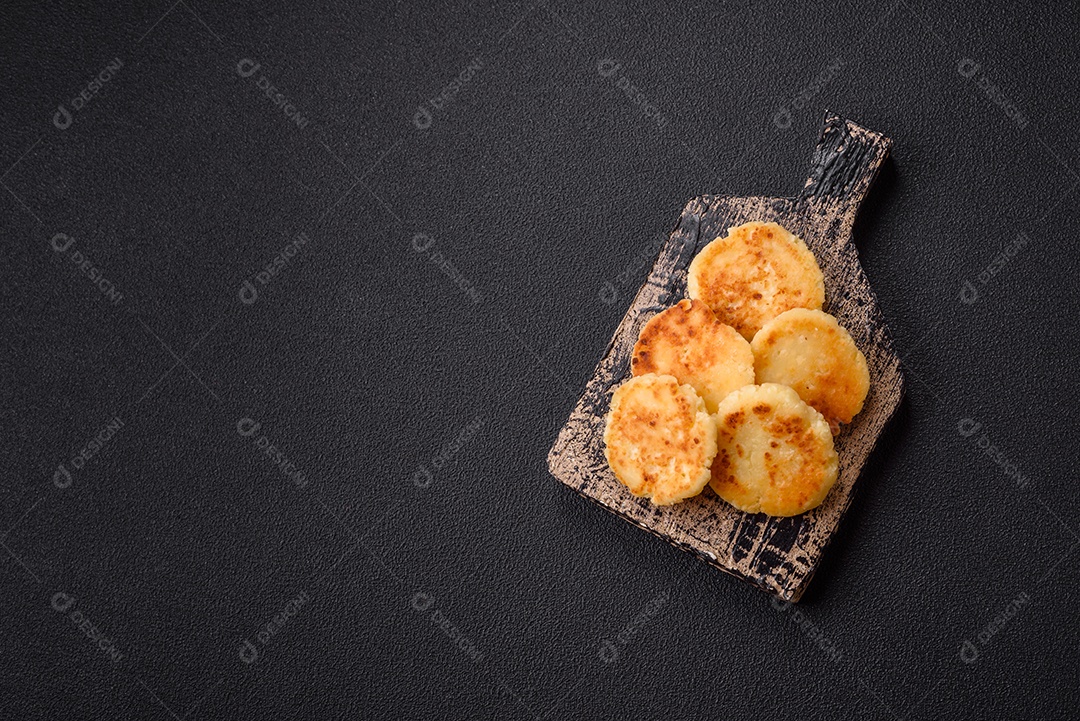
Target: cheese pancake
{"points": [[754, 274], [688, 342], [774, 453], [660, 440], [810, 351]]}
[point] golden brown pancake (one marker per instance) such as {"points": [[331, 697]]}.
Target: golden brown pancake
{"points": [[755, 273], [688, 342], [774, 453], [809, 351], [659, 440]]}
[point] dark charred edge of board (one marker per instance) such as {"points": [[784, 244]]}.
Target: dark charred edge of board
{"points": [[845, 162]]}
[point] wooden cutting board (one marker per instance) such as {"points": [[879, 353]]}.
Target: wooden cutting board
{"points": [[778, 555]]}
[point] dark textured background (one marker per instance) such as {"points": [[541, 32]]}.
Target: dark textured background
{"points": [[421, 419]]}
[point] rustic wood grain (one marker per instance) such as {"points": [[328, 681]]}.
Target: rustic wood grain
{"points": [[778, 555]]}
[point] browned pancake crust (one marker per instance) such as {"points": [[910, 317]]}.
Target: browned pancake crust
{"points": [[810, 351], [688, 342], [659, 439], [754, 274], [774, 453]]}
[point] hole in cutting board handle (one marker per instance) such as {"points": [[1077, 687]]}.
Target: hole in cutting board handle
{"points": [[845, 162]]}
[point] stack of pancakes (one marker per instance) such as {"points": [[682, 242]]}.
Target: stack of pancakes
{"points": [[742, 386]]}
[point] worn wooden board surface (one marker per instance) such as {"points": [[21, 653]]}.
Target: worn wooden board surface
{"points": [[778, 555]]}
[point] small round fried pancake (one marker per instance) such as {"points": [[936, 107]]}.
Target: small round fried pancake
{"points": [[688, 342], [774, 453], [754, 274], [660, 441], [809, 351]]}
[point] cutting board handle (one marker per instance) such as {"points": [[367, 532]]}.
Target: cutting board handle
{"points": [[846, 161]]}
